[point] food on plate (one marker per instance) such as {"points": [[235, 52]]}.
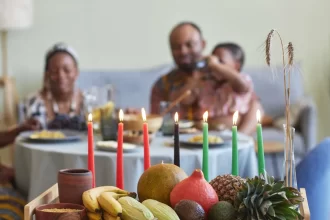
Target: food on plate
{"points": [[212, 139], [114, 145], [45, 134]]}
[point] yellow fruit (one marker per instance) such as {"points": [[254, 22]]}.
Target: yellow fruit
{"points": [[134, 210], [160, 210], [109, 204], [107, 216], [90, 196], [94, 216], [158, 181]]}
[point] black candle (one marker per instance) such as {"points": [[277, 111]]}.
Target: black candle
{"points": [[176, 140]]}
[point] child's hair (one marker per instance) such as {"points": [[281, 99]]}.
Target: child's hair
{"points": [[235, 50]]}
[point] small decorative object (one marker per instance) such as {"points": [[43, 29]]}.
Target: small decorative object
{"points": [[145, 140], [72, 183], [289, 174], [227, 187], [205, 167], [120, 163], [234, 146], [273, 200], [195, 188], [176, 140], [287, 68], [261, 155], [91, 164]]}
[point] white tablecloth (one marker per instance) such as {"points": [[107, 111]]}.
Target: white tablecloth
{"points": [[37, 164]]}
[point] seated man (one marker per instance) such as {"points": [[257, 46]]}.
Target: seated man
{"points": [[205, 82]]}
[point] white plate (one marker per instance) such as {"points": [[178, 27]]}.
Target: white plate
{"points": [[112, 146]]}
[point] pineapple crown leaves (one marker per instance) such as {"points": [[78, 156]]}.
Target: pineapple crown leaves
{"points": [[261, 199]]}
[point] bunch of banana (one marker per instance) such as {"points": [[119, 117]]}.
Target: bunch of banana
{"points": [[101, 202], [134, 210]]}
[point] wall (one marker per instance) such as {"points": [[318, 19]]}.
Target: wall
{"points": [[133, 34]]}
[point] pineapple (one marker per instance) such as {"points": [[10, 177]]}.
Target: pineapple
{"points": [[227, 186], [262, 201]]}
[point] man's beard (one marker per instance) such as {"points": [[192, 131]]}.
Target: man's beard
{"points": [[187, 67]]}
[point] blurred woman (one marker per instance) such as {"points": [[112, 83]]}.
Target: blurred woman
{"points": [[59, 105]]}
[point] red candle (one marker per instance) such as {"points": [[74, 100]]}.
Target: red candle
{"points": [[91, 165], [120, 140], [145, 140]]}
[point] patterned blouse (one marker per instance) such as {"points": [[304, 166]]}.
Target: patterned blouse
{"points": [[216, 97], [34, 107]]}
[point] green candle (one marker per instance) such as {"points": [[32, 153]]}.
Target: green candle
{"points": [[234, 165], [261, 155], [205, 167]]}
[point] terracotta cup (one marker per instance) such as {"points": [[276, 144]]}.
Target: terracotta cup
{"points": [[72, 183], [78, 214]]}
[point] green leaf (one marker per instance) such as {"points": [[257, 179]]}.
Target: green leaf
{"points": [[277, 187], [271, 211], [265, 206]]}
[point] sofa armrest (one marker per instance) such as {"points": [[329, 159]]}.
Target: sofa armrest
{"points": [[307, 123]]}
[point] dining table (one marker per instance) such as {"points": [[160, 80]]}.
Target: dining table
{"points": [[37, 164]]}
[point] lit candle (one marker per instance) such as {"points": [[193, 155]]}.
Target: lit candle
{"points": [[145, 140], [234, 165], [205, 167], [120, 164], [91, 165], [261, 156], [176, 140]]}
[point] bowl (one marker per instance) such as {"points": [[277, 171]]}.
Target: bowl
{"points": [[134, 122], [135, 137], [61, 211]]}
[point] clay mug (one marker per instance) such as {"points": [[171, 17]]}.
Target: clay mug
{"points": [[72, 183]]}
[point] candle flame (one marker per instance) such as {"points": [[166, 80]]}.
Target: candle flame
{"points": [[144, 116], [121, 115], [235, 117], [176, 117], [90, 117], [205, 116], [258, 116]]}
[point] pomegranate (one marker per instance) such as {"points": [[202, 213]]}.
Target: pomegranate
{"points": [[195, 188]]}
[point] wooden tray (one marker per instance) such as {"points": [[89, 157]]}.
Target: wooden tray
{"points": [[51, 196]]}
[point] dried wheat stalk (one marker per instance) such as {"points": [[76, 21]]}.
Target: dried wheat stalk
{"points": [[286, 74]]}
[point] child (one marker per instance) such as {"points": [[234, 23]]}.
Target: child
{"points": [[231, 92]]}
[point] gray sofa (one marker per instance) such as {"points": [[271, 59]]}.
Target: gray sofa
{"points": [[132, 89]]}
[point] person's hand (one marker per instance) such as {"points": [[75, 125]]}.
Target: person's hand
{"points": [[212, 62], [30, 124]]}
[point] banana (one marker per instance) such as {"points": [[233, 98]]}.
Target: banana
{"points": [[160, 210], [107, 216], [134, 210], [109, 204], [90, 196], [94, 216]]}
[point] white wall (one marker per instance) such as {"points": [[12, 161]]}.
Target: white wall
{"points": [[133, 34]]}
